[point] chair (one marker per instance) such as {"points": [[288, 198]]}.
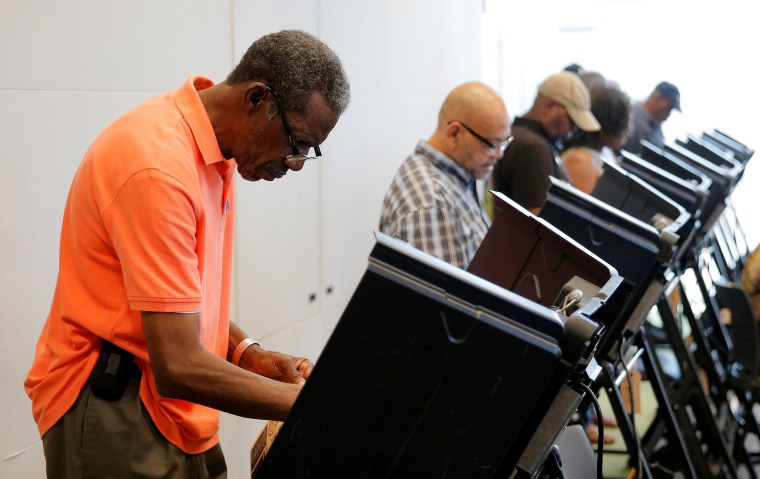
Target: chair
{"points": [[577, 457]]}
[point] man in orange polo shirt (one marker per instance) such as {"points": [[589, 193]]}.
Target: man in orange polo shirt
{"points": [[138, 339]]}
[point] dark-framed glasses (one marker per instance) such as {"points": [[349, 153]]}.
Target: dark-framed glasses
{"points": [[296, 156], [500, 146]]}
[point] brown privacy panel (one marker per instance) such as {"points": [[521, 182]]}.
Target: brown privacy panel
{"points": [[526, 255]]}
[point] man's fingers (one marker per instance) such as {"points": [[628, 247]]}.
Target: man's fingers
{"points": [[282, 367], [298, 379], [304, 367]]}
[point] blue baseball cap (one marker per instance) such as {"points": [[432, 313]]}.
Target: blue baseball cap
{"points": [[669, 91]]}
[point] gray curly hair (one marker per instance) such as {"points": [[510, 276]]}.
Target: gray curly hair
{"points": [[295, 64]]}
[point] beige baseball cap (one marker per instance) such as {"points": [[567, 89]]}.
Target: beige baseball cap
{"points": [[569, 91]]}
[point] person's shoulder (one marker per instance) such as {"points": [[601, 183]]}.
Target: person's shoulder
{"points": [[752, 265], [528, 144], [639, 114], [415, 166], [577, 155], [527, 137], [140, 127], [151, 136], [524, 133], [415, 173]]}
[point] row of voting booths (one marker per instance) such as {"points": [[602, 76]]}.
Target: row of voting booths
{"points": [[437, 372]]}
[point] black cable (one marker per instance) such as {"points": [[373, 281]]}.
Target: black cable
{"points": [[600, 425]]}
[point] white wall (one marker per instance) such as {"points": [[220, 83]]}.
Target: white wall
{"points": [[70, 68]]}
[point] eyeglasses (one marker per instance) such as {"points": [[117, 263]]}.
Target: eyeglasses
{"points": [[500, 146], [297, 156]]}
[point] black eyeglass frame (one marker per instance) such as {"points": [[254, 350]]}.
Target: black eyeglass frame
{"points": [[502, 145], [297, 156]]}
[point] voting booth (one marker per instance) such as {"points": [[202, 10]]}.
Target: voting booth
{"points": [[430, 371]]}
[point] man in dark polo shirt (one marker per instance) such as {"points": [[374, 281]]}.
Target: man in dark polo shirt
{"points": [[562, 104]]}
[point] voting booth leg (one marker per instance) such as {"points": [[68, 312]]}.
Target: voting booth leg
{"points": [[692, 409], [677, 454], [611, 381]]}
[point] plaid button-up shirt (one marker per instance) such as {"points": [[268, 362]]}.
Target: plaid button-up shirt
{"points": [[432, 205]]}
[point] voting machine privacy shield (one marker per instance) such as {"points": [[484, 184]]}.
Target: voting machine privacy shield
{"points": [[430, 372], [724, 142], [525, 254], [714, 191], [685, 193], [633, 247], [635, 197]]}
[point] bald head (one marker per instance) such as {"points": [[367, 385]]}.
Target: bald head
{"points": [[471, 101], [472, 124]]}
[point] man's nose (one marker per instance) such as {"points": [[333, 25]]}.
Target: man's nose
{"points": [[294, 165]]}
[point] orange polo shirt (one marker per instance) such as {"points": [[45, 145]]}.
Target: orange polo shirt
{"points": [[148, 226]]}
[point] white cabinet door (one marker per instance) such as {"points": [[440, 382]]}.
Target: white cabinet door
{"points": [[277, 251]]}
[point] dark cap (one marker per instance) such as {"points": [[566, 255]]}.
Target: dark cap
{"points": [[669, 91]]}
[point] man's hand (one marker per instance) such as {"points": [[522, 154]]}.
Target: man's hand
{"points": [[277, 366]]}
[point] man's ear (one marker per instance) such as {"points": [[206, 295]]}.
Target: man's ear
{"points": [[255, 94], [452, 131]]}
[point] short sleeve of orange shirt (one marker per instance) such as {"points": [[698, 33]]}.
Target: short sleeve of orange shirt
{"points": [[152, 222]]}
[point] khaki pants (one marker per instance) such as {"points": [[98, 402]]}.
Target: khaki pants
{"points": [[117, 439]]}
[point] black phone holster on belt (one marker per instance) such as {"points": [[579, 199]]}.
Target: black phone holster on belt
{"points": [[114, 369]]}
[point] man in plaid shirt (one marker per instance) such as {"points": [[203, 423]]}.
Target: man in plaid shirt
{"points": [[432, 201]]}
